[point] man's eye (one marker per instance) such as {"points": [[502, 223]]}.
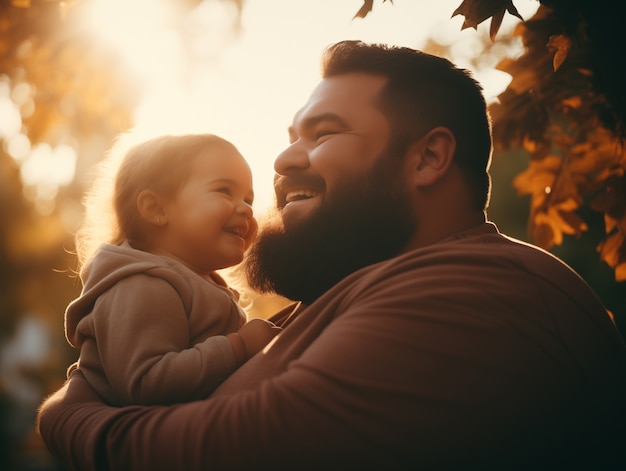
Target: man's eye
{"points": [[320, 134]]}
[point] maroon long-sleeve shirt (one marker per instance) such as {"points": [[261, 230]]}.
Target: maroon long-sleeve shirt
{"points": [[475, 352]]}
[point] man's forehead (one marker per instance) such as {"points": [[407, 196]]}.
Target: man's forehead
{"points": [[350, 84], [340, 94]]}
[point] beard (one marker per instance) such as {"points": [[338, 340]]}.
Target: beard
{"points": [[366, 221]]}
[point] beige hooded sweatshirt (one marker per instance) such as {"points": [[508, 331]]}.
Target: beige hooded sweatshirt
{"points": [[150, 330]]}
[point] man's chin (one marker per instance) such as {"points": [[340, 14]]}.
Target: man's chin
{"points": [[298, 211]]}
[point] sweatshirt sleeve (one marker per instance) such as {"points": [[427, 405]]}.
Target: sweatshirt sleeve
{"points": [[143, 338]]}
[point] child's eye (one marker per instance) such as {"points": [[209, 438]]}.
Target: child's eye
{"points": [[224, 190]]}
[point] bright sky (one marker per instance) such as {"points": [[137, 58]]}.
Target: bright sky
{"points": [[246, 88]]}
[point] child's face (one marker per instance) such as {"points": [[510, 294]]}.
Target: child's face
{"points": [[210, 222]]}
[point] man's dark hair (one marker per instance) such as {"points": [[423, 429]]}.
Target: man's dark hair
{"points": [[424, 91]]}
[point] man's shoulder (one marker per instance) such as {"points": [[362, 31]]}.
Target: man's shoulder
{"points": [[485, 246], [480, 265], [478, 248]]}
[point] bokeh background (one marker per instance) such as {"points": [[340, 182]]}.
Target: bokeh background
{"points": [[76, 74]]}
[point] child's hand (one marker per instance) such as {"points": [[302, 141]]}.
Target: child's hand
{"points": [[256, 334]]}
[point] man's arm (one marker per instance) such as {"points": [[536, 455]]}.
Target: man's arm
{"points": [[397, 377], [64, 412], [338, 401]]}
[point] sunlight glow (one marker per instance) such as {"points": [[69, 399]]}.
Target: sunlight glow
{"points": [[202, 78], [18, 146], [45, 170], [143, 33], [10, 118]]}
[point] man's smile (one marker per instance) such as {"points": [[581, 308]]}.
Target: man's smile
{"points": [[298, 195], [293, 189]]}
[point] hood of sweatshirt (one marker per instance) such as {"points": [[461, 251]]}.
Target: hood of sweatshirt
{"points": [[113, 263]]}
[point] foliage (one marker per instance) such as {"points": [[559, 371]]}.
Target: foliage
{"points": [[566, 106], [569, 116], [69, 91], [366, 8], [475, 12], [75, 88]]}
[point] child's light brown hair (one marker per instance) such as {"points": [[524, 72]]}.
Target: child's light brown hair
{"points": [[161, 164]]}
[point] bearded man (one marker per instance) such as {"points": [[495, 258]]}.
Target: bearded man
{"points": [[420, 338]]}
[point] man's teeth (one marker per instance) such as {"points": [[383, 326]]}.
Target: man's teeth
{"points": [[299, 195]]}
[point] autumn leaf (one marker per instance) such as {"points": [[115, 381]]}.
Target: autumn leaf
{"points": [[609, 223], [366, 8], [548, 227], [611, 202], [543, 235], [477, 11], [560, 45], [538, 179], [554, 200], [529, 145], [573, 103], [613, 252], [620, 272]]}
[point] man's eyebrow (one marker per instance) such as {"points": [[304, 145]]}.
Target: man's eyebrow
{"points": [[313, 121]]}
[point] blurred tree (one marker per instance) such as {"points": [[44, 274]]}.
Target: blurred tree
{"points": [[68, 91], [57, 88]]}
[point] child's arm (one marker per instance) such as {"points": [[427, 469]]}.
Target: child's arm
{"points": [[252, 338], [143, 339]]}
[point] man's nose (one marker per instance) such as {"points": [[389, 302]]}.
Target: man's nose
{"points": [[293, 157]]}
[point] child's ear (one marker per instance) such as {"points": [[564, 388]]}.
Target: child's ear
{"points": [[431, 156], [151, 208]]}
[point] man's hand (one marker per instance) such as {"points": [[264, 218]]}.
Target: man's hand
{"points": [[74, 399]]}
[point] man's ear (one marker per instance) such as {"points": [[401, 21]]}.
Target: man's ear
{"points": [[151, 208], [431, 156]]}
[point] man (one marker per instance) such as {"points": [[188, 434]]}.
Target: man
{"points": [[425, 339]]}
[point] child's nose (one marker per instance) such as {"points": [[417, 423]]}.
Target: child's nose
{"points": [[245, 209]]}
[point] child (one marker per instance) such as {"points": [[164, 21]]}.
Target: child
{"points": [[155, 323]]}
